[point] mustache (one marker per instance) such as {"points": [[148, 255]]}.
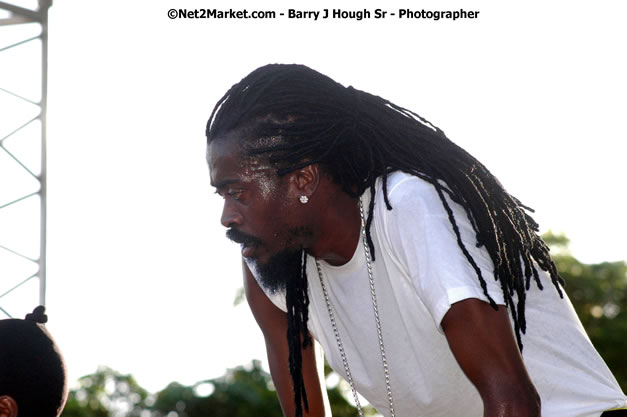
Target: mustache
{"points": [[241, 237]]}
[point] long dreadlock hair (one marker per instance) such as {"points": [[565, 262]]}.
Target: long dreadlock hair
{"points": [[296, 116]]}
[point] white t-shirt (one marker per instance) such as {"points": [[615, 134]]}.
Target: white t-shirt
{"points": [[419, 273]]}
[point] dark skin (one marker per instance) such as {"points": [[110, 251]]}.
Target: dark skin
{"points": [[8, 406], [253, 195], [480, 338]]}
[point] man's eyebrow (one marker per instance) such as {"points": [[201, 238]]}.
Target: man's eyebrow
{"points": [[224, 183]]}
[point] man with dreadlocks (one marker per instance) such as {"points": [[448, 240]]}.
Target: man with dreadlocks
{"points": [[423, 280]]}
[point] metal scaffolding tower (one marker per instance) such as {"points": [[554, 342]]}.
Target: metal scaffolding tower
{"points": [[23, 94]]}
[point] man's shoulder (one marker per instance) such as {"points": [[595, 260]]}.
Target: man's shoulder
{"points": [[408, 191], [399, 181]]}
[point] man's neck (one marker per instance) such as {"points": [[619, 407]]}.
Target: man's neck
{"points": [[337, 226]]}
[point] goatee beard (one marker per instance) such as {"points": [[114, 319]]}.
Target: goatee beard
{"points": [[282, 267]]}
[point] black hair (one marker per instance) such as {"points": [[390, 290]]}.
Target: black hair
{"points": [[296, 116], [32, 370]]}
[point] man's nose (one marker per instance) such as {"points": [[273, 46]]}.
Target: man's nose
{"points": [[230, 217]]}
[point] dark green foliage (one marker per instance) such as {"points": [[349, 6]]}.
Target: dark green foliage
{"points": [[104, 393], [241, 392]]}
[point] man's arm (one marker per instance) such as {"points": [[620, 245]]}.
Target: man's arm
{"points": [[484, 345], [273, 324]]}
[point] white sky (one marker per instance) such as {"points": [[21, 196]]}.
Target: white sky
{"points": [[140, 276]]}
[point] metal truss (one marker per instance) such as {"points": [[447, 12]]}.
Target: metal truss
{"points": [[22, 176]]}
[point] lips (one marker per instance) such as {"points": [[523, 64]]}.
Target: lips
{"points": [[241, 237], [248, 242]]}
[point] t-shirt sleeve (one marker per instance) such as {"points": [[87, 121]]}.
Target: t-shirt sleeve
{"points": [[421, 238]]}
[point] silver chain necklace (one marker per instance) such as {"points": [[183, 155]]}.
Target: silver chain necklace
{"points": [[373, 296]]}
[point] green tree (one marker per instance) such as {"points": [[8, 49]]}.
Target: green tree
{"points": [[106, 393], [241, 392]]}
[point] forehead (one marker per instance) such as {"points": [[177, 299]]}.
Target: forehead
{"points": [[221, 152], [229, 163], [225, 160]]}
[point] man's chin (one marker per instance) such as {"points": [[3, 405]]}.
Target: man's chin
{"points": [[273, 271], [255, 261]]}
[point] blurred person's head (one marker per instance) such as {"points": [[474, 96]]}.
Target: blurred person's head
{"points": [[32, 370]]}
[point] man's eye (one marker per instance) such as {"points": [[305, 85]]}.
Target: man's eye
{"points": [[234, 194]]}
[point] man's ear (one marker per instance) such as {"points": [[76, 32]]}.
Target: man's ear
{"points": [[8, 406], [305, 181]]}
